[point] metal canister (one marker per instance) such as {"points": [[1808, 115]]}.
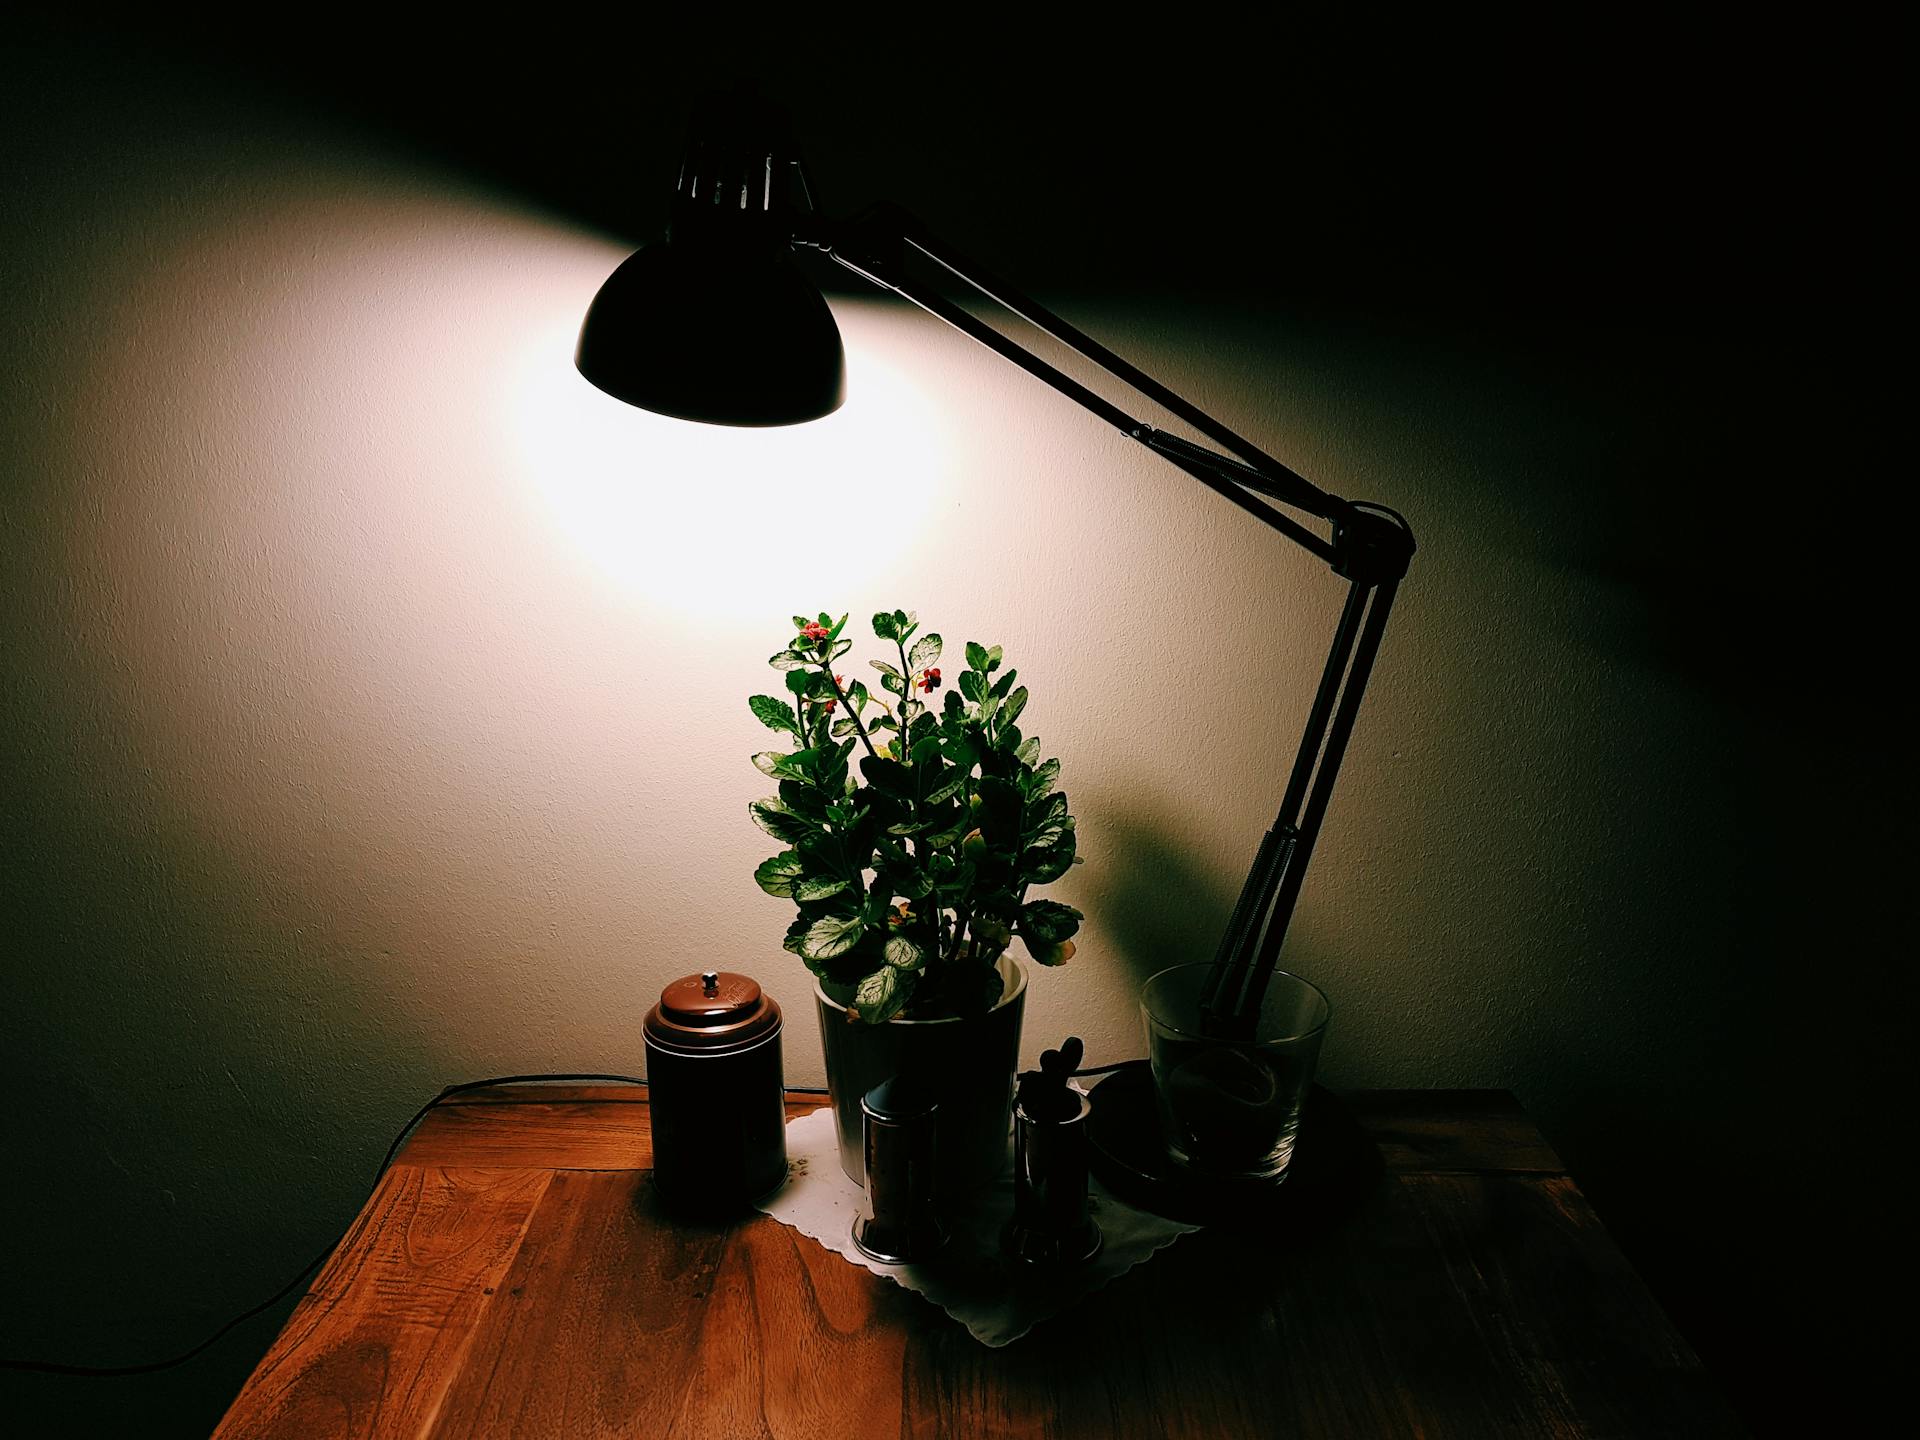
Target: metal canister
{"points": [[716, 1092]]}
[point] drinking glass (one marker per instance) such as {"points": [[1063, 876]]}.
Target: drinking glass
{"points": [[1229, 1101]]}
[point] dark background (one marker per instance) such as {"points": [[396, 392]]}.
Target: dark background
{"points": [[1688, 216]]}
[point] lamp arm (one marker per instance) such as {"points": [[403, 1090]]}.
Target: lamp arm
{"points": [[1371, 547], [874, 246]]}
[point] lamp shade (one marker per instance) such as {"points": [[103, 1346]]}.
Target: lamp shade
{"points": [[715, 322], [724, 338]]}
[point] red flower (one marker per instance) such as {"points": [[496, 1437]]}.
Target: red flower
{"points": [[814, 631], [930, 679]]}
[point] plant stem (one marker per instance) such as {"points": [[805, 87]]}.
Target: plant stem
{"points": [[826, 669], [906, 750], [960, 924]]}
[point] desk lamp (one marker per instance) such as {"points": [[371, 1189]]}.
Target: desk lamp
{"points": [[715, 323]]}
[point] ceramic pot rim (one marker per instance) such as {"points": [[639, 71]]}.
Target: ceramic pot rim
{"points": [[1008, 995]]}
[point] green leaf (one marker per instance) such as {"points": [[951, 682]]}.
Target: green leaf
{"points": [[905, 881], [889, 776], [788, 660], [903, 954], [925, 652], [845, 726], [774, 714], [779, 875], [998, 762], [952, 785], [832, 935], [953, 883], [799, 682], [1008, 738], [1011, 707], [884, 627], [857, 694], [947, 837], [818, 887], [884, 668], [840, 648], [1049, 833], [1005, 682], [1048, 921], [905, 622], [1047, 818], [1044, 866], [784, 826], [882, 994], [768, 761], [976, 657], [961, 750], [833, 630], [1027, 749], [800, 622], [970, 685], [802, 799], [993, 658]]}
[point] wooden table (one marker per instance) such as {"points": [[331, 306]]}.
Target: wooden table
{"points": [[512, 1276]]}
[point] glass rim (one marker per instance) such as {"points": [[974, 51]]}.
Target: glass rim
{"points": [[1326, 1007]]}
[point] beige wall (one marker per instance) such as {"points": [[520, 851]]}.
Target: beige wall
{"points": [[374, 705]]}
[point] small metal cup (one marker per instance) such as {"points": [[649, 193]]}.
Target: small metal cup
{"points": [[1050, 1224], [900, 1147]]}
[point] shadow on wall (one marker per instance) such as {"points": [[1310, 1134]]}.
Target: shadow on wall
{"points": [[1148, 927], [1165, 903]]}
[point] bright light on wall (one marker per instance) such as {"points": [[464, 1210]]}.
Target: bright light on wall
{"points": [[728, 521]]}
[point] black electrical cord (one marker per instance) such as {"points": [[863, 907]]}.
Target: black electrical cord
{"points": [[52, 1367]]}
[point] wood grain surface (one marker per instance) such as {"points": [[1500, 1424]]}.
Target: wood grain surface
{"points": [[513, 1276]]}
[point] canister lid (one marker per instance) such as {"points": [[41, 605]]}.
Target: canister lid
{"points": [[899, 1099], [709, 1010]]}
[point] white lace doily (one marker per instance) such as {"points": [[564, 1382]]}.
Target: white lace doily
{"points": [[996, 1299]]}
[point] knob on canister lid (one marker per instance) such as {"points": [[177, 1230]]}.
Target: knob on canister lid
{"points": [[713, 1009]]}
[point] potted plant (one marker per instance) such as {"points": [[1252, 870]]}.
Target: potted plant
{"points": [[910, 876]]}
